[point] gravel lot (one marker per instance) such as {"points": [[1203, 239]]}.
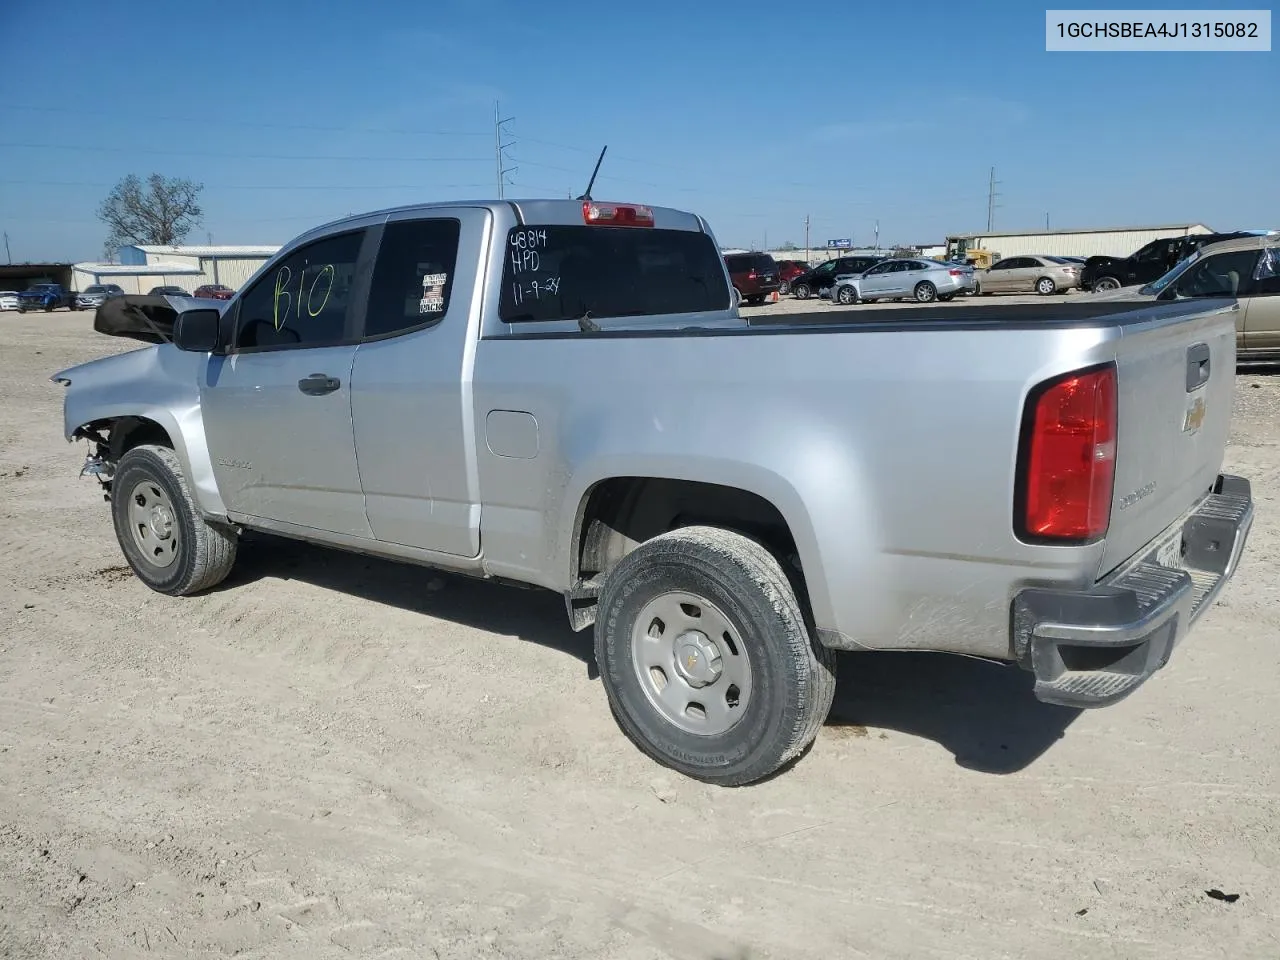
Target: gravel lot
{"points": [[335, 757]]}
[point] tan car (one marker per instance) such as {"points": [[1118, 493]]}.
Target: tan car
{"points": [[1247, 268], [1039, 274]]}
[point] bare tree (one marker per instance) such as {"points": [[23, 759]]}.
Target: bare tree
{"points": [[161, 211]]}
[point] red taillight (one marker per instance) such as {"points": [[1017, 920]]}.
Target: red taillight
{"points": [[956, 273], [1069, 458], [617, 214], [751, 275]]}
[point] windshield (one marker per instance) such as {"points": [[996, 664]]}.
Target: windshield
{"points": [[1157, 286], [95, 290]]}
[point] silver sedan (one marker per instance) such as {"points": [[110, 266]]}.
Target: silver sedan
{"points": [[921, 280]]}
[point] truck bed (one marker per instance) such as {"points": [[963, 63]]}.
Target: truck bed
{"points": [[1055, 314]]}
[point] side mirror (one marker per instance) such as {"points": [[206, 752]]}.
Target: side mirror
{"points": [[737, 297], [197, 331]]}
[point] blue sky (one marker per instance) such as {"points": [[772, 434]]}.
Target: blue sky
{"points": [[751, 113]]}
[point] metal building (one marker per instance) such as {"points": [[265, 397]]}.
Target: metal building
{"points": [[143, 267], [1104, 241], [230, 265]]}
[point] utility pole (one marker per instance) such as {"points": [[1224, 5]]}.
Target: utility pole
{"points": [[877, 235], [991, 198], [1046, 220], [8, 255], [806, 238], [499, 146], [766, 239]]}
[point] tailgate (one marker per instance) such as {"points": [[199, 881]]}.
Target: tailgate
{"points": [[1176, 384]]}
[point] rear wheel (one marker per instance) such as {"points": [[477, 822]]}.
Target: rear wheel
{"points": [[706, 659], [166, 541], [1045, 286], [1105, 283], [925, 292], [784, 288], [801, 291]]}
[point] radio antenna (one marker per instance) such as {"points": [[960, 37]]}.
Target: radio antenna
{"points": [[592, 183]]}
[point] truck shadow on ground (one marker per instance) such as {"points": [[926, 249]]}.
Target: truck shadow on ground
{"points": [[983, 713]]}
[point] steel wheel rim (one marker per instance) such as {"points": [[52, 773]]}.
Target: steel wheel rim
{"points": [[691, 663], [153, 522]]}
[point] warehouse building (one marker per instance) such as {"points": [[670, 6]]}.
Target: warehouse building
{"points": [[1109, 241], [142, 267]]}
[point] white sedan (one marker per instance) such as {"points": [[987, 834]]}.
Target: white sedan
{"points": [[8, 299]]}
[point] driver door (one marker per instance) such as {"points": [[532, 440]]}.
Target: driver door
{"points": [[277, 407], [875, 282]]}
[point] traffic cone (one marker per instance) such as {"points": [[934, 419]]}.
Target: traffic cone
{"points": [[775, 296]]}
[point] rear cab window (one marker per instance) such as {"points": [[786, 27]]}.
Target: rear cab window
{"points": [[559, 272]]}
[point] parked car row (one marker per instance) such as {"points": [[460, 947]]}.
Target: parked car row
{"points": [[51, 296]]}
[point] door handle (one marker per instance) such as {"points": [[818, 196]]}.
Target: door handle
{"points": [[1197, 366], [318, 384]]}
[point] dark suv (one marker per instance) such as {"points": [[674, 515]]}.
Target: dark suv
{"points": [[1150, 263], [821, 278], [754, 276]]}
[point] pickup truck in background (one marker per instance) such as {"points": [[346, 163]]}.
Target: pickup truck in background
{"points": [[563, 394], [45, 296]]}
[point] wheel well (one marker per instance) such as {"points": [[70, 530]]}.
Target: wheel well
{"points": [[619, 514], [129, 432]]}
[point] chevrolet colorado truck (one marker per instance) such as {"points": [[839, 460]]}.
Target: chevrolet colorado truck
{"points": [[563, 394]]}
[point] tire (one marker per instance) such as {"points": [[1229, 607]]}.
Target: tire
{"points": [[22, 309], [784, 288], [774, 673], [149, 484], [925, 292], [48, 308], [1046, 287], [1103, 284], [801, 291], [846, 295]]}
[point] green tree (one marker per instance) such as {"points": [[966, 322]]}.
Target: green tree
{"points": [[160, 211]]}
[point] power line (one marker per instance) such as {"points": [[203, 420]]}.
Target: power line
{"points": [[241, 156], [272, 125], [327, 187]]}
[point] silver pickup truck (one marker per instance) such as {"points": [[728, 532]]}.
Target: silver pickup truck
{"points": [[563, 394]]}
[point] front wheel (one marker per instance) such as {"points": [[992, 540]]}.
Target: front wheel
{"points": [[169, 545], [705, 656], [801, 291], [847, 295], [925, 292]]}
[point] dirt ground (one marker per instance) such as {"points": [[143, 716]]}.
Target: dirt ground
{"points": [[336, 757]]}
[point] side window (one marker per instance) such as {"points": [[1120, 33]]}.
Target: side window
{"points": [[413, 276], [303, 300], [1225, 275], [1266, 275], [1003, 264], [826, 270]]}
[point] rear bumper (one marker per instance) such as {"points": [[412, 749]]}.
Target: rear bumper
{"points": [[1093, 647]]}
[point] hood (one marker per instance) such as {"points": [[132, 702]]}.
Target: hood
{"points": [[1121, 295]]}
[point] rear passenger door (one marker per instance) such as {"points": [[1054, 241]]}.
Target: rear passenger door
{"points": [[1023, 274], [1262, 307], [410, 406]]}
